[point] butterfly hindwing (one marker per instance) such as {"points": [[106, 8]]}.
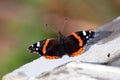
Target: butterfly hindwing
{"points": [[76, 41], [74, 45], [54, 49]]}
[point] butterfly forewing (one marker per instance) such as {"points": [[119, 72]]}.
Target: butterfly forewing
{"points": [[54, 48], [72, 44]]}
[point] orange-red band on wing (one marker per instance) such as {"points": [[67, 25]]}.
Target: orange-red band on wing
{"points": [[80, 51], [51, 57], [45, 45], [78, 38]]}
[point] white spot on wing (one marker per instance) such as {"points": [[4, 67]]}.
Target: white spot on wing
{"points": [[38, 44], [36, 48], [87, 37], [84, 33]]}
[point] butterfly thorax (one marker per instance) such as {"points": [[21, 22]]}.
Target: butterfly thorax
{"points": [[61, 42]]}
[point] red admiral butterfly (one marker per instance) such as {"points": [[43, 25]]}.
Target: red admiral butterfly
{"points": [[72, 45]]}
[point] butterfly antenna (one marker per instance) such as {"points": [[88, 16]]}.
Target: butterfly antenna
{"points": [[64, 24]]}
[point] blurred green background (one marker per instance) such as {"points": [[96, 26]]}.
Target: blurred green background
{"points": [[24, 22]]}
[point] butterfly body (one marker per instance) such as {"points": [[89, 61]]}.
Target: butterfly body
{"points": [[72, 45]]}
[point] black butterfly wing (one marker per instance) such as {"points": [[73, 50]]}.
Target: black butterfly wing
{"points": [[54, 49], [76, 41], [37, 47], [74, 45], [50, 48]]}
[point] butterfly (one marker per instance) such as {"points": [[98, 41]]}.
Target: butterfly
{"points": [[71, 45]]}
